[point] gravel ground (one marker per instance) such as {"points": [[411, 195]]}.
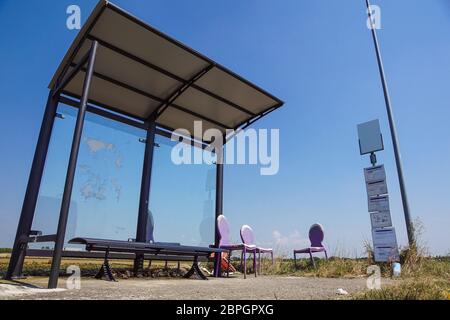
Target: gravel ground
{"points": [[263, 287]]}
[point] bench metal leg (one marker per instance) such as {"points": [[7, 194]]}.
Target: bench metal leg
{"points": [[105, 270], [195, 269], [138, 266]]}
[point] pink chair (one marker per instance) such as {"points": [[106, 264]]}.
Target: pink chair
{"points": [[316, 236], [225, 243], [249, 239]]}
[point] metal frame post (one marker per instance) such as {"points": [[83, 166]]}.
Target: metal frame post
{"points": [[65, 205], [219, 210], [33, 186], [398, 161], [141, 229]]}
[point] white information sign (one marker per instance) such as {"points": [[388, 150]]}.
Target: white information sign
{"points": [[370, 139], [386, 254], [376, 188], [384, 237], [385, 244], [378, 203], [375, 173], [380, 219]]}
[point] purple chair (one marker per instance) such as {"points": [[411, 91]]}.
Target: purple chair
{"points": [[249, 239], [225, 243], [316, 236]]}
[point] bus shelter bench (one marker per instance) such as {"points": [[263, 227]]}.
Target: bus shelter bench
{"points": [[142, 248]]}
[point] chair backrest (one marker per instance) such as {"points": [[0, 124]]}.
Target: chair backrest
{"points": [[224, 230], [316, 235], [247, 235]]}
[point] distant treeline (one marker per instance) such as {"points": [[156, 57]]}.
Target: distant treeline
{"points": [[5, 250]]}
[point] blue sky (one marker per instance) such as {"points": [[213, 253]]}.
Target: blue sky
{"points": [[317, 55]]}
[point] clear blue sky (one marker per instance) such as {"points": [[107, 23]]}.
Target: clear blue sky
{"points": [[317, 55]]}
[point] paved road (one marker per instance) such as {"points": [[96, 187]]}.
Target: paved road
{"points": [[263, 287]]}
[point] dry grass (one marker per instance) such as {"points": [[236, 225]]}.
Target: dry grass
{"points": [[424, 288], [422, 277]]}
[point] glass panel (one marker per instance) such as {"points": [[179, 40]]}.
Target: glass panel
{"points": [[105, 196], [182, 199], [106, 190]]}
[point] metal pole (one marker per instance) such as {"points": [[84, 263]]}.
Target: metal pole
{"points": [[219, 209], [33, 186], [398, 162], [65, 205], [141, 230]]}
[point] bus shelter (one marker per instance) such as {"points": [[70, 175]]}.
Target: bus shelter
{"points": [[122, 69]]}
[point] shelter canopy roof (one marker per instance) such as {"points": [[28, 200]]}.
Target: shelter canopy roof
{"points": [[143, 73]]}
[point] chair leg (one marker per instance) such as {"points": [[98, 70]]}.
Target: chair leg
{"points": [[228, 267], [218, 265], [273, 261], [326, 255], [312, 260], [245, 263], [242, 259], [254, 263], [295, 260], [260, 264]]}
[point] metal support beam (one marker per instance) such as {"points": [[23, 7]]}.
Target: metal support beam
{"points": [[395, 144], [76, 68], [104, 106], [164, 103], [65, 205], [248, 123], [33, 186], [177, 93], [104, 113], [141, 229], [169, 74], [100, 111], [219, 209]]}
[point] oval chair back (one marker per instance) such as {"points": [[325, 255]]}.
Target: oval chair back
{"points": [[247, 235], [316, 235], [224, 230]]}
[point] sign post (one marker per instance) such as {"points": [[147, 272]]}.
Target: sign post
{"points": [[395, 144], [383, 234]]}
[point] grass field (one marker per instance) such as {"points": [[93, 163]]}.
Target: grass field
{"points": [[422, 277]]}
